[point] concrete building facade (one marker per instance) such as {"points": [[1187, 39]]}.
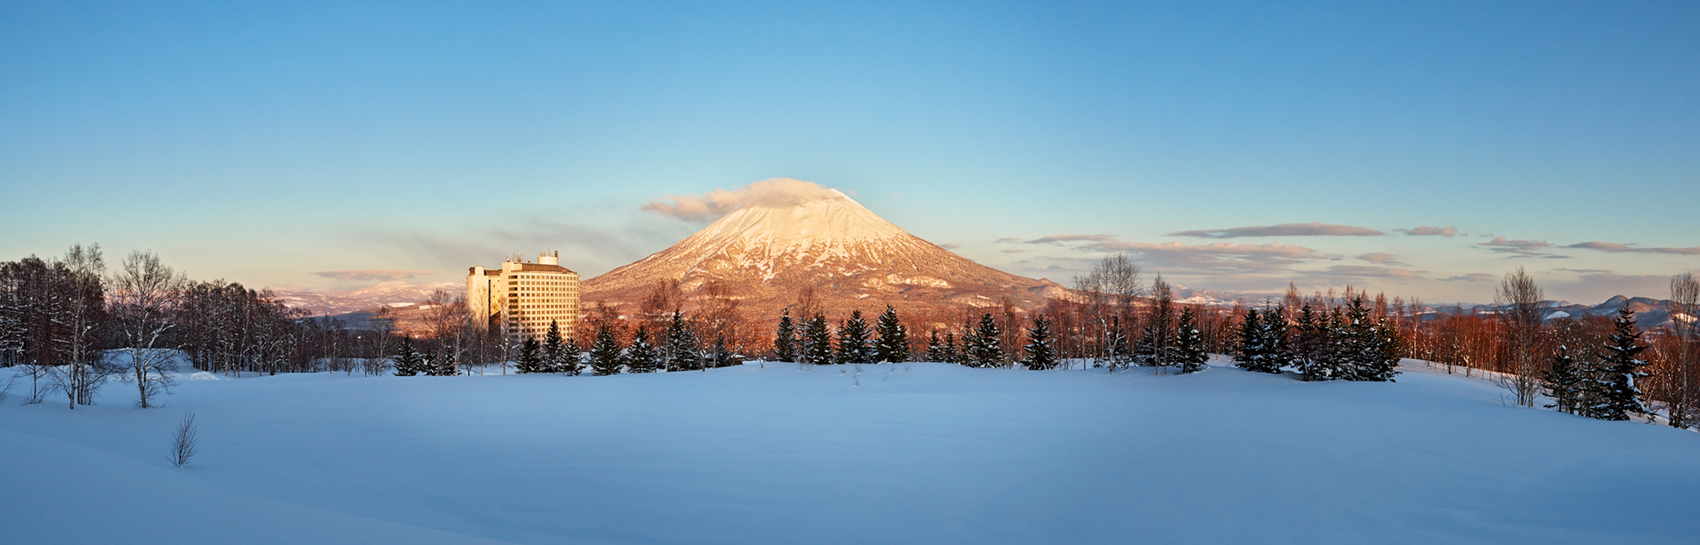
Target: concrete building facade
{"points": [[523, 297]]}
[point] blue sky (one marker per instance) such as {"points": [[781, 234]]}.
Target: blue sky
{"points": [[265, 143]]}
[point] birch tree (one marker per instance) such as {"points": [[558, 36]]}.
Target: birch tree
{"points": [[143, 302]]}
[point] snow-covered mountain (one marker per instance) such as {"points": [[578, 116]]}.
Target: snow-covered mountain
{"points": [[766, 252], [388, 294]]}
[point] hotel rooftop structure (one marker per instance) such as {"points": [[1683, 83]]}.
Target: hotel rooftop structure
{"points": [[523, 297]]}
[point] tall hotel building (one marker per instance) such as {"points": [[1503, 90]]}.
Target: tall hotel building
{"points": [[524, 297]]}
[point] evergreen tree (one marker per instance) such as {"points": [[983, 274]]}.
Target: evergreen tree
{"points": [[1156, 345], [719, 355], [1563, 382], [408, 362], [853, 340], [683, 353], [952, 354], [641, 356], [1310, 343], [444, 365], [785, 339], [935, 349], [1619, 393], [530, 361], [605, 353], [1275, 339], [893, 343], [817, 341], [1252, 351], [1371, 355], [1190, 353], [554, 351], [1041, 348], [982, 347], [572, 358]]}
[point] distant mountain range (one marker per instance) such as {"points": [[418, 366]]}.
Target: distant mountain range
{"points": [[394, 294]]}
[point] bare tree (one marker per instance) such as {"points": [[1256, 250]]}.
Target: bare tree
{"points": [[1685, 294], [1109, 289], [143, 302], [78, 310], [184, 442], [1520, 309]]}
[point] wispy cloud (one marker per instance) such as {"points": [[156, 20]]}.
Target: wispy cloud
{"points": [[1472, 277], [1007, 240], [371, 274], [1365, 271], [949, 246], [1216, 257], [717, 203], [1283, 230], [1633, 248], [1379, 257], [1517, 247], [1059, 239], [1429, 231]]}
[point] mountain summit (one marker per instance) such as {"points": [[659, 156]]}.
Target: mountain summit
{"points": [[770, 250]]}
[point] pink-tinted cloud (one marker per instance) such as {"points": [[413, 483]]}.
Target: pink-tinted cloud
{"points": [[771, 192], [1379, 257], [1283, 230], [1517, 247], [1428, 231], [1633, 248], [1058, 239]]}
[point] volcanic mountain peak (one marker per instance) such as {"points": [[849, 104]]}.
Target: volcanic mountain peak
{"points": [[768, 251]]}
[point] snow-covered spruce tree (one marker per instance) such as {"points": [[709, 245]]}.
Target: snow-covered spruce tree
{"points": [[1563, 382], [408, 362], [935, 347], [1378, 357], [1156, 346], [572, 358], [530, 357], [1251, 353], [1190, 353], [641, 356], [444, 365], [952, 352], [853, 340], [554, 349], [605, 353], [817, 341], [1276, 335], [1310, 343], [1041, 347], [1619, 394], [720, 355], [983, 348], [785, 339], [893, 343], [683, 352]]}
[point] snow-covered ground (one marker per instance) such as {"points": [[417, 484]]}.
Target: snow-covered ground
{"points": [[916, 453]]}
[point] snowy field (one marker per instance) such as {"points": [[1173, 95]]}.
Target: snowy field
{"points": [[917, 453]]}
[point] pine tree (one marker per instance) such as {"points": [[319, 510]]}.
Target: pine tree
{"points": [[1277, 347], [530, 361], [1190, 353], [408, 362], [444, 366], [605, 353], [1366, 352], [683, 354], [785, 339], [817, 341], [982, 347], [853, 340], [554, 352], [893, 343], [572, 358], [952, 354], [1251, 352], [641, 356], [720, 355], [935, 349], [1562, 381], [1619, 394], [1310, 343], [1156, 342], [1041, 348]]}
